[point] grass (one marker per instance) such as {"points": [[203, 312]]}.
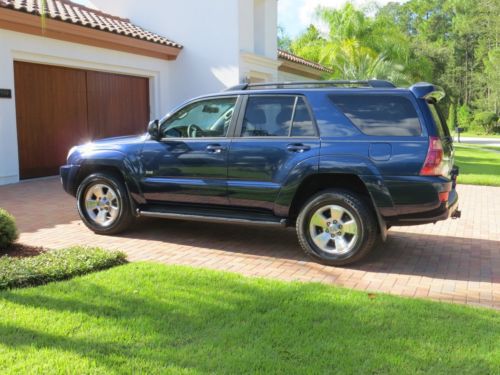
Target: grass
{"points": [[478, 166], [494, 148], [150, 318], [473, 135], [55, 265]]}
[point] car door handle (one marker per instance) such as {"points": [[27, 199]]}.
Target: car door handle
{"points": [[215, 149], [298, 147]]}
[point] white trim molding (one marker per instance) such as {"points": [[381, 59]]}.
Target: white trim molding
{"points": [[253, 65]]}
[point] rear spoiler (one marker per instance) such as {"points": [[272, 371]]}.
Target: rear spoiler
{"points": [[424, 90]]}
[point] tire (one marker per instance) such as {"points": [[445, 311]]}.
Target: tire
{"points": [[111, 214], [337, 227]]}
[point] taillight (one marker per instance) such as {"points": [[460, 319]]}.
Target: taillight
{"points": [[443, 196], [434, 165]]}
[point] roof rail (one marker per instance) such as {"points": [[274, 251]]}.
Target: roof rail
{"points": [[374, 83]]}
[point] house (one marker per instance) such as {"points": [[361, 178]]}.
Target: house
{"points": [[80, 73]]}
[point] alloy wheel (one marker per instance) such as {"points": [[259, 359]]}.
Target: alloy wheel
{"points": [[334, 229], [102, 204]]}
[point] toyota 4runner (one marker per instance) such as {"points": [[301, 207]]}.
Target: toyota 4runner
{"points": [[342, 161]]}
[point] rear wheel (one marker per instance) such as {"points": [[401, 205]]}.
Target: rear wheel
{"points": [[337, 227], [103, 204]]}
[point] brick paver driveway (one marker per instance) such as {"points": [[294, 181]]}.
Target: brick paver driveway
{"points": [[455, 260]]}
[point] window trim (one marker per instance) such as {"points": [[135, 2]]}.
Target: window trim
{"points": [[232, 125], [416, 107], [243, 108]]}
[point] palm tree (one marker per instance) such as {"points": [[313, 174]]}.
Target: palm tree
{"points": [[347, 48], [350, 60]]}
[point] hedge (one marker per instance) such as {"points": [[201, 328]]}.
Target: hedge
{"points": [[55, 265]]}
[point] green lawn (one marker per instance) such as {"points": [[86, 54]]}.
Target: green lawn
{"points": [[494, 148], [148, 318], [478, 166], [476, 135]]}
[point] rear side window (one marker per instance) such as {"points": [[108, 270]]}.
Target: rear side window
{"points": [[268, 116], [442, 128], [380, 115], [277, 116]]}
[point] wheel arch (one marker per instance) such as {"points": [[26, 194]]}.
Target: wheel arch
{"points": [[316, 183], [116, 167]]}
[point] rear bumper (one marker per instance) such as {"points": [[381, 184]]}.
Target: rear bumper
{"points": [[429, 209], [68, 175], [444, 211]]}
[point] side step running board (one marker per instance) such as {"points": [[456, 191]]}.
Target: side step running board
{"points": [[216, 219]]}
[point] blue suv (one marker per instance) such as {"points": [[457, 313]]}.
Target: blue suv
{"points": [[342, 161]]}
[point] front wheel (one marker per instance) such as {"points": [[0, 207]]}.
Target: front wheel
{"points": [[337, 227], [103, 204]]}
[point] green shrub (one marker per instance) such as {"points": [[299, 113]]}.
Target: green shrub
{"points": [[486, 121], [8, 229], [464, 116], [55, 265], [452, 117]]}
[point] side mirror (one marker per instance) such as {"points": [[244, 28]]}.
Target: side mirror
{"points": [[154, 129]]}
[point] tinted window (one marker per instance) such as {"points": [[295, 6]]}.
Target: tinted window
{"points": [[206, 118], [302, 123], [442, 128], [380, 115], [272, 116], [268, 116]]}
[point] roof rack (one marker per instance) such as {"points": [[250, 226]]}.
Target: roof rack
{"points": [[374, 83]]}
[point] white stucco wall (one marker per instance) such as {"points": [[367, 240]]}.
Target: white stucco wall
{"points": [[219, 37], [291, 77], [208, 30], [24, 47]]}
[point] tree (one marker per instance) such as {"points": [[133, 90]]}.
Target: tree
{"points": [[486, 121], [349, 47], [464, 116], [284, 40], [452, 116]]}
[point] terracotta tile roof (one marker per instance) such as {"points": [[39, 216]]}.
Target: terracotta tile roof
{"points": [[67, 11], [299, 60]]}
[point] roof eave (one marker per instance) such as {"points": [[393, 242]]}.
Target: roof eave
{"points": [[31, 24], [300, 69]]}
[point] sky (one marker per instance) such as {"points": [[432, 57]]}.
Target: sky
{"points": [[296, 15]]}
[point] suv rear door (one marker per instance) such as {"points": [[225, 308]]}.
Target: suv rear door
{"points": [[274, 134]]}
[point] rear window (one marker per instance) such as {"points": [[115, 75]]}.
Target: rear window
{"points": [[380, 115]]}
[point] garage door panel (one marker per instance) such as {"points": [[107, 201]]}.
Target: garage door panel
{"points": [[58, 108], [118, 104], [51, 108]]}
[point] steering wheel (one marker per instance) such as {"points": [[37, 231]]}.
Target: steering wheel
{"points": [[192, 130]]}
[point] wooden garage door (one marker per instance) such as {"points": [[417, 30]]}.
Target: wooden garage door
{"points": [[58, 108]]}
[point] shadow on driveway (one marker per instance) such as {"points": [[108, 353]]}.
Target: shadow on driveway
{"points": [[403, 253]]}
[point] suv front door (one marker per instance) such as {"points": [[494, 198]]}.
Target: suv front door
{"points": [[189, 163], [274, 135]]}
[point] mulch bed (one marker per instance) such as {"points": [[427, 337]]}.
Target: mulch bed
{"points": [[18, 250]]}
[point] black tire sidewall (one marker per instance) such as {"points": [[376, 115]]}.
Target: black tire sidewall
{"points": [[120, 192], [356, 208]]}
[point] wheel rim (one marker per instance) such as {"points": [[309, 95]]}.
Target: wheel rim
{"points": [[102, 204], [334, 229]]}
